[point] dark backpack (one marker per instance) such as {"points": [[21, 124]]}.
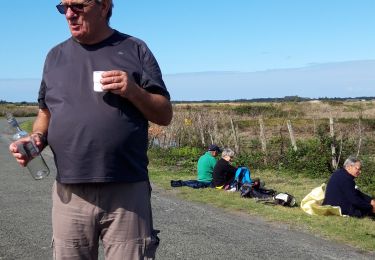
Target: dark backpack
{"points": [[285, 199], [267, 196], [245, 190], [251, 191]]}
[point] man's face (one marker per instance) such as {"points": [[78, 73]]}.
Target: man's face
{"points": [[355, 169], [84, 24]]}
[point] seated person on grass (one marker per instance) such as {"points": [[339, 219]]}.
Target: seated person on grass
{"points": [[206, 164], [341, 191], [224, 172]]}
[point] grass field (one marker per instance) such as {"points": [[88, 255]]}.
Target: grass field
{"points": [[359, 233]]}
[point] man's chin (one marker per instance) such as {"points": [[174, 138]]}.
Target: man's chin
{"points": [[76, 30], [77, 35]]}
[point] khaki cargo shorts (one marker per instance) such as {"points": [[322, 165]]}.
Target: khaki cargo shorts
{"points": [[118, 214]]}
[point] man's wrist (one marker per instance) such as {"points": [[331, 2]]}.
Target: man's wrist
{"points": [[42, 137]]}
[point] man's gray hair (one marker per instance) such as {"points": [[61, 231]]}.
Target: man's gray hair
{"points": [[227, 152], [109, 14], [351, 161]]}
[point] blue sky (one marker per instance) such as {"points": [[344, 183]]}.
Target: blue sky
{"points": [[242, 36]]}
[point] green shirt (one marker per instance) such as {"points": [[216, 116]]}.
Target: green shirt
{"points": [[206, 164]]}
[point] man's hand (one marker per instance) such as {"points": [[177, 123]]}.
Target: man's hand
{"points": [[373, 206], [18, 151], [117, 82]]}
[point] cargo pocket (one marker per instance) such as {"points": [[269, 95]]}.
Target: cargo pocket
{"points": [[73, 249]]}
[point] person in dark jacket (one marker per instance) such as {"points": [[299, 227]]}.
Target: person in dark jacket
{"points": [[341, 191], [224, 172]]}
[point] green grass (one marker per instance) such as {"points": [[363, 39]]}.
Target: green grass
{"points": [[359, 233], [27, 126]]}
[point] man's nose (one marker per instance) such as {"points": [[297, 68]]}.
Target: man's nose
{"points": [[69, 13]]}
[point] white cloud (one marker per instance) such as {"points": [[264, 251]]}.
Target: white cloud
{"points": [[340, 79]]}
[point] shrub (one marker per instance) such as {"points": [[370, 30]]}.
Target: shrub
{"points": [[366, 181], [185, 157], [260, 110], [253, 160], [311, 158]]}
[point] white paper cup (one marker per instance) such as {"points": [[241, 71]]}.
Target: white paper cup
{"points": [[97, 76]]}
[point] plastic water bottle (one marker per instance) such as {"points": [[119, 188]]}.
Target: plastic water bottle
{"points": [[36, 165]]}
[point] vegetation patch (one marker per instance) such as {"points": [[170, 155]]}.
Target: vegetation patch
{"points": [[19, 110], [355, 232], [269, 110]]}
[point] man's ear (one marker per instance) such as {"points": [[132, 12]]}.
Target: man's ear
{"points": [[106, 5]]}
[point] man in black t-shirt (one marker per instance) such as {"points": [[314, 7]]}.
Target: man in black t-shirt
{"points": [[99, 139], [341, 191]]}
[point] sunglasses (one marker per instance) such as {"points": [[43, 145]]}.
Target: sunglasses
{"points": [[76, 8]]}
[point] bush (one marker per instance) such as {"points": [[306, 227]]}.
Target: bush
{"points": [[260, 110], [185, 157], [311, 158], [366, 181], [253, 160]]}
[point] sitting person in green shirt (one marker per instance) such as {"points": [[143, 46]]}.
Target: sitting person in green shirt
{"points": [[206, 164]]}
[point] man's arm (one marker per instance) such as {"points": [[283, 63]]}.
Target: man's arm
{"points": [[40, 126], [355, 198], [155, 107]]}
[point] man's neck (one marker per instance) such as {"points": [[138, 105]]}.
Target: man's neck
{"points": [[102, 35]]}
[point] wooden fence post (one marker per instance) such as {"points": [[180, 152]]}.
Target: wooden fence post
{"points": [[263, 139], [314, 125], [340, 150], [201, 130], [214, 137], [291, 134], [235, 137], [333, 147], [360, 135]]}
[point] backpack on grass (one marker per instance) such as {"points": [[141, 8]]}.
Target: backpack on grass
{"points": [[257, 191], [241, 177], [253, 191], [282, 199], [285, 199]]}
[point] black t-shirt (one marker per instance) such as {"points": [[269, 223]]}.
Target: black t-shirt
{"points": [[223, 173], [341, 192], [98, 136]]}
